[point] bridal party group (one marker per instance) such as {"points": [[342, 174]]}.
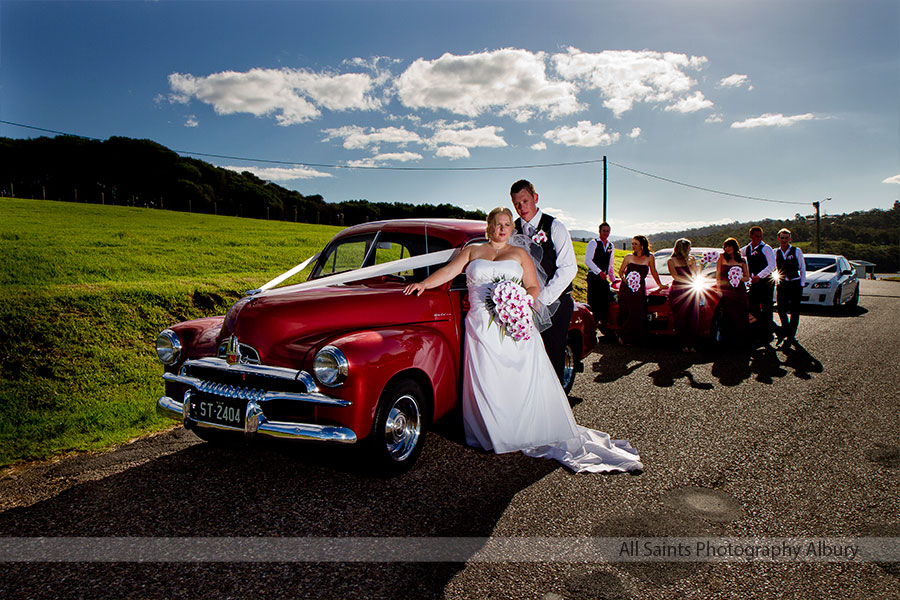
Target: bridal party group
{"points": [[746, 281]]}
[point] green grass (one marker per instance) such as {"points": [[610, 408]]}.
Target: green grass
{"points": [[86, 289]]}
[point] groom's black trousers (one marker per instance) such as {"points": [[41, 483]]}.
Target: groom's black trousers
{"points": [[556, 336]]}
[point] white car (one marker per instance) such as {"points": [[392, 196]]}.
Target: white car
{"points": [[830, 281]]}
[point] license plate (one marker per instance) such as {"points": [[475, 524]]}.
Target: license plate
{"points": [[210, 409]]}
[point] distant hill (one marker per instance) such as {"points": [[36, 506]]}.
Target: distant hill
{"points": [[872, 235], [583, 235], [131, 172]]}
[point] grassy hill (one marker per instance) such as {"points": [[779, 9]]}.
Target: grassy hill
{"points": [[86, 289], [872, 235]]}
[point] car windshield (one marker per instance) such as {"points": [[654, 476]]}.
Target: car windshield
{"points": [[662, 260], [826, 265], [376, 248]]}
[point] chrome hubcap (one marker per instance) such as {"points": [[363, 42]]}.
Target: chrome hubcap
{"points": [[402, 428], [568, 367]]}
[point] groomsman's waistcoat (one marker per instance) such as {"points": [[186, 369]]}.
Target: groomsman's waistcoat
{"points": [[788, 267], [601, 255], [756, 260]]}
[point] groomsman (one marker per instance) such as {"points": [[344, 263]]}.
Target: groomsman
{"points": [[558, 262], [791, 279], [599, 257], [761, 262]]}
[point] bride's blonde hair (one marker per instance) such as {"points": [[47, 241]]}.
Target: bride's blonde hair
{"points": [[493, 215]]}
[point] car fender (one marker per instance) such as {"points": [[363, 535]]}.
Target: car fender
{"points": [[430, 354]]}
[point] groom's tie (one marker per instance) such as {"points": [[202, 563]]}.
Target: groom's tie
{"points": [[528, 229]]}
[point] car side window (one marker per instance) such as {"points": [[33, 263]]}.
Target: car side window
{"points": [[344, 257], [390, 251]]}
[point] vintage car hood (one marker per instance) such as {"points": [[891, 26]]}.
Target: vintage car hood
{"points": [[283, 327]]}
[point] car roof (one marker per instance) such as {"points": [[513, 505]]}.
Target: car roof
{"points": [[833, 256], [456, 231], [694, 250]]}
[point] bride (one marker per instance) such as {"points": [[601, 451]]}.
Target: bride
{"points": [[511, 397]]}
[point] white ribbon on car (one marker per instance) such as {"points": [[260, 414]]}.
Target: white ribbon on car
{"points": [[388, 268]]}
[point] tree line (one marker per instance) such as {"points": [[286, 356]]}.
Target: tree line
{"points": [[872, 235], [132, 172]]}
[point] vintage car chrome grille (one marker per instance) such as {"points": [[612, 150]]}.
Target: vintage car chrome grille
{"points": [[226, 379], [258, 383]]}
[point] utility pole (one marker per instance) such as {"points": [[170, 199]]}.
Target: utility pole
{"points": [[818, 236], [604, 188]]}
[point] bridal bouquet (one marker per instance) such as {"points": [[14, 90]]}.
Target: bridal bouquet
{"points": [[735, 274], [511, 307]]}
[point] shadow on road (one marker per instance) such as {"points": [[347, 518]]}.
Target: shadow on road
{"points": [[610, 362], [270, 490]]}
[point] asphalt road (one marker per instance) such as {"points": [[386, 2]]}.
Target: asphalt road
{"points": [[770, 444]]}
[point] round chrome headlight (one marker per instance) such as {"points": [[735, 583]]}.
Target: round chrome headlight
{"points": [[331, 366], [168, 347]]}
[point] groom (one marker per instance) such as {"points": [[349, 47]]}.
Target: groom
{"points": [[558, 262]]}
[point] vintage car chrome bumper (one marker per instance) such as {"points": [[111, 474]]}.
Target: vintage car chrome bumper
{"points": [[215, 379]]}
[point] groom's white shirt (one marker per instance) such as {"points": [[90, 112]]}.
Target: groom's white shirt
{"points": [[566, 265]]}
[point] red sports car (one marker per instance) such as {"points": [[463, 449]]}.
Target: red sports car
{"points": [[344, 357]]}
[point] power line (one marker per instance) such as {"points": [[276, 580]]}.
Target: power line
{"points": [[697, 187], [449, 169]]}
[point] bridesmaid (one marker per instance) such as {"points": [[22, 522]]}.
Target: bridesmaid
{"points": [[683, 299], [732, 274], [633, 291]]}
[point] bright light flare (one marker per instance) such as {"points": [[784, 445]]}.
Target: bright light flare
{"points": [[701, 284]]}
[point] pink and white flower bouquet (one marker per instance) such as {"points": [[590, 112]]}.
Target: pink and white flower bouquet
{"points": [[511, 306], [539, 237], [633, 279], [709, 258], [735, 274]]}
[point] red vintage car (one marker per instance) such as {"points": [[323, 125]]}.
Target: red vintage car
{"points": [[344, 357], [659, 312]]}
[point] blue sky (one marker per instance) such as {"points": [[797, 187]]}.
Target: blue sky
{"points": [[792, 101]]}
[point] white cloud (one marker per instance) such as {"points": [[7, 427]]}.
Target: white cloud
{"points": [[191, 121], [625, 76], [398, 156], [568, 220], [379, 159], [512, 81], [584, 134], [293, 96], [772, 120], [692, 103], [356, 137], [280, 173], [539, 146], [443, 124], [735, 80], [714, 118], [894, 179], [482, 137], [635, 133], [453, 152]]}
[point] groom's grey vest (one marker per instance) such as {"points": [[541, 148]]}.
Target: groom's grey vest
{"points": [[548, 259]]}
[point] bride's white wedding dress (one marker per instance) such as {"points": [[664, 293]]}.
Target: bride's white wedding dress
{"points": [[511, 396]]}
